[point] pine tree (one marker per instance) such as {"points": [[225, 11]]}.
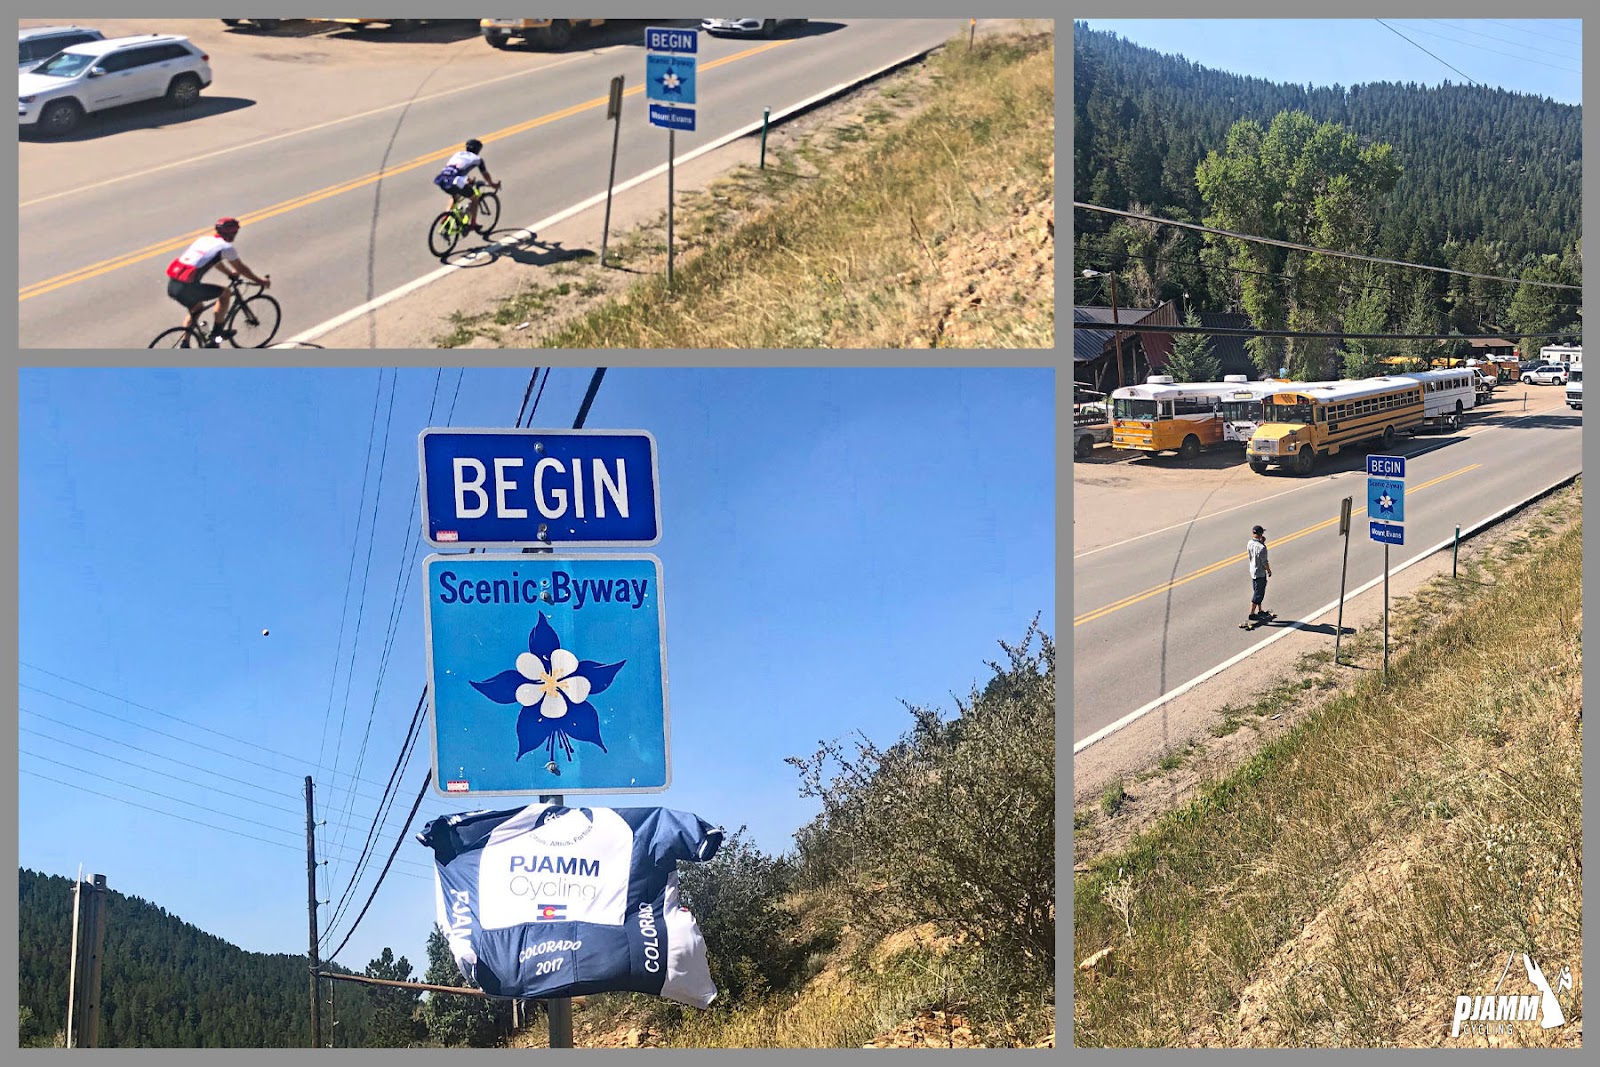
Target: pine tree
{"points": [[454, 1019], [1192, 359]]}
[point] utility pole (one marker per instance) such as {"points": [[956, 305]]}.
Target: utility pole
{"points": [[1116, 334], [88, 944], [311, 907]]}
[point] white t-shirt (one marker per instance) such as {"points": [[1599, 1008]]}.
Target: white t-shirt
{"points": [[1257, 551], [203, 255]]}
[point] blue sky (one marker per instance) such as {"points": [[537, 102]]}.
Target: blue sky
{"points": [[1539, 56], [834, 541]]}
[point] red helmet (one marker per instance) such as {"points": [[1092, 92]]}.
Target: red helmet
{"points": [[227, 223]]}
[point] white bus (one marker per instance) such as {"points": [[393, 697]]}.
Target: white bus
{"points": [[1164, 416], [1446, 395], [1242, 409]]}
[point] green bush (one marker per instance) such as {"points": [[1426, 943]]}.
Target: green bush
{"points": [[752, 942], [954, 823]]}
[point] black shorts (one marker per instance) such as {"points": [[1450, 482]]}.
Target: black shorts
{"points": [[191, 293], [1258, 589]]}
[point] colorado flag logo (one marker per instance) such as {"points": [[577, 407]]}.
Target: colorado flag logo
{"points": [[552, 912]]}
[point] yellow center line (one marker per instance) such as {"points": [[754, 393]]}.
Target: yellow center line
{"points": [[177, 244], [1101, 612]]}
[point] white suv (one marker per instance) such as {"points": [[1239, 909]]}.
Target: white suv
{"points": [[98, 75]]}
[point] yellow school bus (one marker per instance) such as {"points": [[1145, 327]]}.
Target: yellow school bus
{"points": [[1306, 423], [1166, 416]]}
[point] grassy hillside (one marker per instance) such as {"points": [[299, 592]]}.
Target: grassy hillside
{"points": [[919, 212], [1383, 855]]}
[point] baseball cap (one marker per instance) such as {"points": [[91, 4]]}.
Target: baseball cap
{"points": [[1257, 530]]}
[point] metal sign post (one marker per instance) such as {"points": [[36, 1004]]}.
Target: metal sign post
{"points": [[1386, 510], [669, 84], [1344, 531], [613, 113]]}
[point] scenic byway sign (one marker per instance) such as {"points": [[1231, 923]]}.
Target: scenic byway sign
{"points": [[524, 488], [1386, 499], [669, 76], [546, 674]]}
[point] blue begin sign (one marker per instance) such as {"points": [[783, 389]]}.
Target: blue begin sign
{"points": [[558, 488], [546, 674]]}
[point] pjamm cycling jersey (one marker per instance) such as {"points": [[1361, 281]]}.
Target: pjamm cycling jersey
{"points": [[552, 901], [457, 169], [200, 257]]}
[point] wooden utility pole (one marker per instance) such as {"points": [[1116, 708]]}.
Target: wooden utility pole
{"points": [[311, 907], [88, 944], [1116, 334]]}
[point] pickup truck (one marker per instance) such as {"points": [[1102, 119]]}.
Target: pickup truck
{"points": [[1088, 430]]}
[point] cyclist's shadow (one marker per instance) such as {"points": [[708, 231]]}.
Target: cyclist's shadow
{"points": [[530, 252]]}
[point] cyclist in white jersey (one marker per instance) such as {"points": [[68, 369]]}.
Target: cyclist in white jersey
{"points": [[186, 274], [456, 179]]}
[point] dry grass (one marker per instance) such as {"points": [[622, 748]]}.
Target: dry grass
{"points": [[1382, 857], [924, 226]]}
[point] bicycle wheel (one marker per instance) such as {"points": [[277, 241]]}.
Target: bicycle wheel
{"points": [[254, 321], [443, 234], [488, 211], [179, 337]]}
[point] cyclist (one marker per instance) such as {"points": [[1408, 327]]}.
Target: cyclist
{"points": [[456, 179], [185, 275]]}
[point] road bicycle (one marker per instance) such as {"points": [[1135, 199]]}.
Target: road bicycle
{"points": [[252, 322], [448, 229]]}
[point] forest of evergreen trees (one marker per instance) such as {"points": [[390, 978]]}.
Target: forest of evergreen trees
{"points": [[165, 983], [1489, 181]]}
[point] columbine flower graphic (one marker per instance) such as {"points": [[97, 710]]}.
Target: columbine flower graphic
{"points": [[553, 687], [1386, 503]]}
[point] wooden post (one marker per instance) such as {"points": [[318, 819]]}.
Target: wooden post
{"points": [[1116, 334], [311, 907], [88, 945]]}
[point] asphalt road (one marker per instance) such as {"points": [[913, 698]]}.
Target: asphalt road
{"points": [[337, 210], [1151, 613]]}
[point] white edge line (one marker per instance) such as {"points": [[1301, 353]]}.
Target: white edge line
{"points": [[1300, 624], [519, 236]]}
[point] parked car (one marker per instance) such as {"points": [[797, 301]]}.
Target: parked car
{"points": [[1555, 374], [38, 43], [748, 27], [98, 75]]}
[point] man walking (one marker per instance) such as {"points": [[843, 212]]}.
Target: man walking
{"points": [[1260, 571]]}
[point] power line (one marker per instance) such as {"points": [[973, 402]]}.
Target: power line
{"points": [[387, 864], [361, 609], [167, 759], [406, 750], [1495, 51], [80, 788], [156, 711], [349, 576], [163, 733], [1512, 25], [1498, 40], [1319, 251], [1417, 46]]}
